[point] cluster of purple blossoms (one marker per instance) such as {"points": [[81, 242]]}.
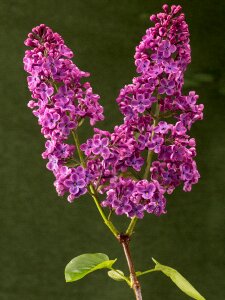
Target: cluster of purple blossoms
{"points": [[133, 198], [144, 158], [61, 102]]}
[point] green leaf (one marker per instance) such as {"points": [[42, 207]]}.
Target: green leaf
{"points": [[179, 280], [84, 264], [117, 275]]}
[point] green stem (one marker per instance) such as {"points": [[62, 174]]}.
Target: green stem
{"points": [[77, 143], [131, 226], [148, 271], [108, 223], [149, 161], [150, 152]]}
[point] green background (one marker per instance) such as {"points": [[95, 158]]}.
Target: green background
{"points": [[40, 232]]}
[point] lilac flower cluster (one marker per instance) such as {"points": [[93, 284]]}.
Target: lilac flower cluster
{"points": [[147, 156], [132, 197], [157, 118], [61, 102]]}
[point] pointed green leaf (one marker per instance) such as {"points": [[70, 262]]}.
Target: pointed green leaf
{"points": [[179, 280], [117, 275], [84, 264]]}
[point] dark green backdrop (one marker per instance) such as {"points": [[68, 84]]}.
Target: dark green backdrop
{"points": [[40, 232]]}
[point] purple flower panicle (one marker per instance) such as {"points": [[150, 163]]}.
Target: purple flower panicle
{"points": [[60, 101], [157, 119]]}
